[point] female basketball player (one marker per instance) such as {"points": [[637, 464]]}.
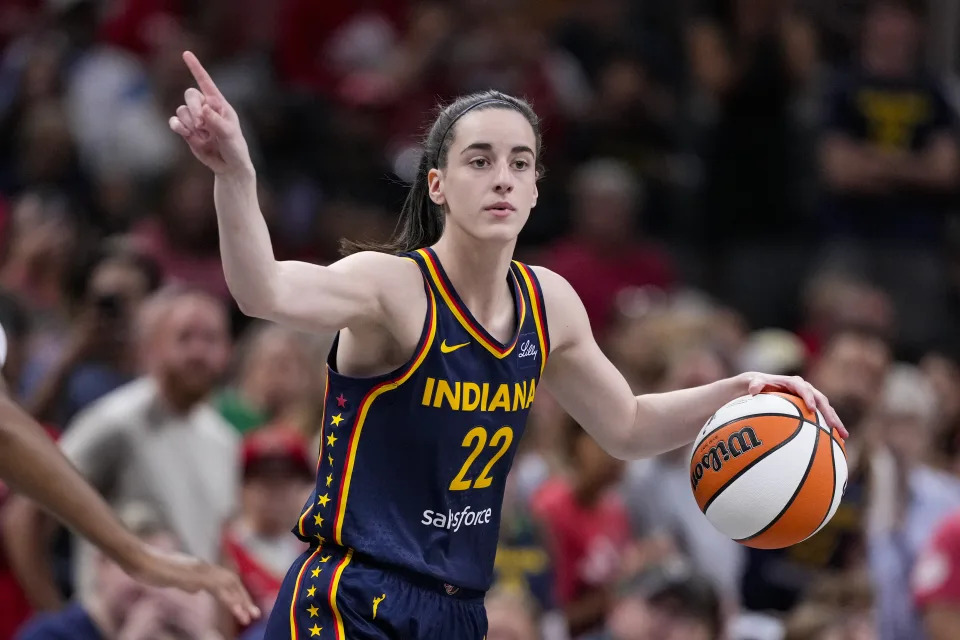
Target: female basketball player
{"points": [[32, 464], [442, 342]]}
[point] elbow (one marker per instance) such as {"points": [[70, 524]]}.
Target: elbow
{"points": [[626, 444]]}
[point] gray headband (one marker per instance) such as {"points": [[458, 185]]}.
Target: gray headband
{"points": [[436, 160]]}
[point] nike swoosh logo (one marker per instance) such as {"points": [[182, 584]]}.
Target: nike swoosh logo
{"points": [[445, 349]]}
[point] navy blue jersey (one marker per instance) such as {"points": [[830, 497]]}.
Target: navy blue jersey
{"points": [[413, 462]]}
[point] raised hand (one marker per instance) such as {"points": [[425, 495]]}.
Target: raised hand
{"points": [[209, 124]]}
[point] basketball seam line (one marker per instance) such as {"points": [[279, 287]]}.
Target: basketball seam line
{"points": [[816, 418], [833, 488], [753, 415], [796, 492], [726, 484]]}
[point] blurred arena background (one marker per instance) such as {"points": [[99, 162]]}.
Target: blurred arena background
{"points": [[732, 185]]}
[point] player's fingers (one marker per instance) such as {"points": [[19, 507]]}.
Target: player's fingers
{"points": [[179, 128], [805, 390], [195, 102], [204, 81], [833, 420], [215, 122], [755, 386], [183, 112]]}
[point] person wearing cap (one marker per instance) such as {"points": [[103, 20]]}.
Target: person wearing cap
{"points": [[277, 476]]}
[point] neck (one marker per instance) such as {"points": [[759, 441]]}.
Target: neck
{"points": [[177, 402], [478, 270]]}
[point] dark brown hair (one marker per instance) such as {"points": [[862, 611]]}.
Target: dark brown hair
{"points": [[421, 220]]}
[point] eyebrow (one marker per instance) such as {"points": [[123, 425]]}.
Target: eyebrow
{"points": [[486, 146]]}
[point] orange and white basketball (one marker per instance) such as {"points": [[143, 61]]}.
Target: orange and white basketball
{"points": [[768, 472]]}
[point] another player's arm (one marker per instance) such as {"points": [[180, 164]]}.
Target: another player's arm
{"points": [[591, 389], [307, 296], [31, 463]]}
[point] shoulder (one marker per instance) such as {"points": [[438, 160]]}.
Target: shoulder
{"points": [[566, 316], [117, 409], [395, 278], [381, 266], [213, 425]]}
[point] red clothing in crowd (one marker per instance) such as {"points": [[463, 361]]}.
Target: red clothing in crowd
{"points": [[936, 575], [598, 275], [586, 540]]}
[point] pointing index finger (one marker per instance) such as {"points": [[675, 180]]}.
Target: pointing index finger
{"points": [[204, 81]]}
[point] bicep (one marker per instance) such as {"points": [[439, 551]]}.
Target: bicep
{"points": [[580, 376], [321, 299]]}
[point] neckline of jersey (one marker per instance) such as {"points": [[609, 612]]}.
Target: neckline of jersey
{"points": [[518, 304]]}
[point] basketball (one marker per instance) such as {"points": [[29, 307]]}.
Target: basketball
{"points": [[768, 472]]}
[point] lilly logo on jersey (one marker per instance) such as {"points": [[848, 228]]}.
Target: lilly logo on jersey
{"points": [[528, 348], [453, 520]]}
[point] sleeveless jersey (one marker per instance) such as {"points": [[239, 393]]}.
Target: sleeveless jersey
{"points": [[413, 463]]}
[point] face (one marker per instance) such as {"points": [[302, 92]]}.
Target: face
{"points": [[119, 592], [489, 184], [891, 39], [851, 374], [192, 347], [272, 498], [278, 372]]}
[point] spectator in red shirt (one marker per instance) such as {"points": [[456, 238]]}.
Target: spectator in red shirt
{"points": [[587, 528], [936, 581], [277, 475], [603, 255]]}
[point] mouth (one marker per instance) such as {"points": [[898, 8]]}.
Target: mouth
{"points": [[501, 209]]}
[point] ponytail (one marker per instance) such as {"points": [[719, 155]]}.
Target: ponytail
{"points": [[421, 220], [420, 223]]}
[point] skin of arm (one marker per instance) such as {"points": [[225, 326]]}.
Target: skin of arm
{"points": [[591, 389], [32, 464]]}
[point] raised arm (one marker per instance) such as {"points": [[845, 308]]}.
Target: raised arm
{"points": [[307, 296], [591, 389]]}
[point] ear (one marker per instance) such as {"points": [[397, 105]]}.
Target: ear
{"points": [[536, 194], [435, 186]]}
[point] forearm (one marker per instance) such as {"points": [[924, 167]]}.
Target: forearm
{"points": [[666, 421], [32, 464], [27, 534], [248, 260]]}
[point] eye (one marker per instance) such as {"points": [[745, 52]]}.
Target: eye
{"points": [[479, 163], [521, 164]]}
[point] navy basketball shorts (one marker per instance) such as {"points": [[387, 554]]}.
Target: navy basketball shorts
{"points": [[331, 594]]}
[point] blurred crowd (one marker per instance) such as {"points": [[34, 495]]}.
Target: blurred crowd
{"points": [[732, 185]]}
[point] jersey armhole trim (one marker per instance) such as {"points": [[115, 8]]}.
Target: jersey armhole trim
{"points": [[364, 406], [539, 312]]}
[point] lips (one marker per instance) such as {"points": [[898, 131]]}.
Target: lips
{"points": [[500, 207]]}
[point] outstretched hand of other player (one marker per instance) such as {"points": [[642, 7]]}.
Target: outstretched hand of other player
{"points": [[180, 571], [813, 398], [209, 124]]}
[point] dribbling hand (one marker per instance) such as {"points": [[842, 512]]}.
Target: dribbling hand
{"points": [[814, 399], [209, 124]]}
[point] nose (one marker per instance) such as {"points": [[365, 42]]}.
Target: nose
{"points": [[504, 179]]}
